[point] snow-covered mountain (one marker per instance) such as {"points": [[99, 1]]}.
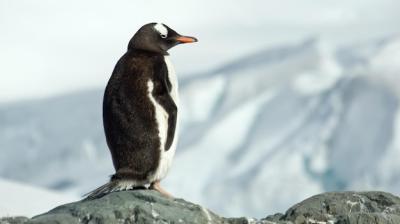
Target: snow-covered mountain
{"points": [[257, 134], [18, 199]]}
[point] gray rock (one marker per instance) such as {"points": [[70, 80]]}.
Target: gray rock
{"points": [[138, 206], [145, 206], [344, 208], [13, 220]]}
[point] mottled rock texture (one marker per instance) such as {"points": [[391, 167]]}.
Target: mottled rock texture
{"points": [[146, 206], [344, 208]]}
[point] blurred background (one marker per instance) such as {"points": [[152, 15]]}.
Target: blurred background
{"points": [[280, 100]]}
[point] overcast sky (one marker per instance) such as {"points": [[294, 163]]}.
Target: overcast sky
{"points": [[52, 47]]}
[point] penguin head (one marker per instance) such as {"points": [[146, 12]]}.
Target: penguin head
{"points": [[157, 37]]}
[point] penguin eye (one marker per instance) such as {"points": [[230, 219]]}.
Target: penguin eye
{"points": [[163, 35]]}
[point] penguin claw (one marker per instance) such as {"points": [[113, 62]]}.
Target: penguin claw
{"points": [[156, 186]]}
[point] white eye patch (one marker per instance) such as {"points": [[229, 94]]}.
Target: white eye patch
{"points": [[161, 29]]}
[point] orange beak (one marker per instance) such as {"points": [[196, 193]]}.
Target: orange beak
{"points": [[186, 39]]}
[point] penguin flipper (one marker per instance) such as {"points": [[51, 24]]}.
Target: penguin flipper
{"points": [[169, 105], [172, 120]]}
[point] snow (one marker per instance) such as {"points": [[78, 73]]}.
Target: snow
{"points": [[20, 199], [206, 94], [323, 77], [226, 134], [387, 61]]}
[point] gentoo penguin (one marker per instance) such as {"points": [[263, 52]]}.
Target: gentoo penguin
{"points": [[140, 111]]}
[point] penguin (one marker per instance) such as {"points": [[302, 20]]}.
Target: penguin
{"points": [[140, 111]]}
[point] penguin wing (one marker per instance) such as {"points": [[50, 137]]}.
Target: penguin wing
{"points": [[172, 119], [166, 101]]}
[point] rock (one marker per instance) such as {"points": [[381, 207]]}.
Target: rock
{"points": [[138, 206], [13, 220], [344, 208], [146, 206]]}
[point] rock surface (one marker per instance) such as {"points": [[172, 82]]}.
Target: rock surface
{"points": [[138, 206], [145, 206], [13, 220], [344, 208]]}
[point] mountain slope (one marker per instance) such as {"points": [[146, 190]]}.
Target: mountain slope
{"points": [[20, 199]]}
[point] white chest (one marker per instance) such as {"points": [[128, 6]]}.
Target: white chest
{"points": [[173, 79], [162, 123]]}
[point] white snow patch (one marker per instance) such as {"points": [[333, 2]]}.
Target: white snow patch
{"points": [[387, 61], [352, 204], [200, 98], [154, 214], [385, 65], [323, 76], [225, 135], [208, 216], [319, 162], [390, 160], [18, 199], [89, 149], [313, 221], [253, 221]]}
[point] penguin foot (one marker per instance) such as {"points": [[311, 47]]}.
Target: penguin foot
{"points": [[156, 186]]}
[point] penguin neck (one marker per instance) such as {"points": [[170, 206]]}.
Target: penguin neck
{"points": [[149, 48], [149, 52]]}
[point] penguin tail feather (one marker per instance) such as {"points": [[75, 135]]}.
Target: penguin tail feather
{"points": [[112, 186]]}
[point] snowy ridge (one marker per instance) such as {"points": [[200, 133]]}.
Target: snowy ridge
{"points": [[267, 131], [20, 199]]}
